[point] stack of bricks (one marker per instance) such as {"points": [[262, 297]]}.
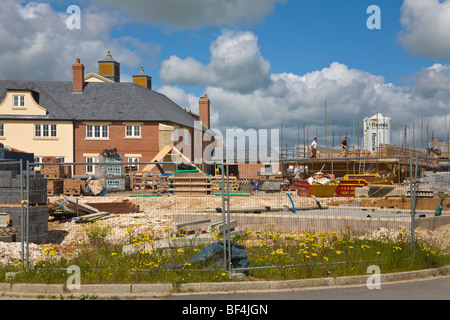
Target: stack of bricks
{"points": [[113, 175], [10, 186], [74, 187], [55, 175], [13, 191]]}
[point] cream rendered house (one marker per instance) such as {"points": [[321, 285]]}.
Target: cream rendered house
{"points": [[24, 125], [76, 120]]}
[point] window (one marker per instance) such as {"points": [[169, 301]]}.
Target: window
{"points": [[90, 168], [132, 131], [2, 130], [38, 160], [53, 130], [45, 131], [133, 166], [19, 101], [97, 131]]}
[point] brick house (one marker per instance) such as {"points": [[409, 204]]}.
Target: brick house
{"points": [[77, 120]]}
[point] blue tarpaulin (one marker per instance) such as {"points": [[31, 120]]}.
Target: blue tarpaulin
{"points": [[213, 255]]}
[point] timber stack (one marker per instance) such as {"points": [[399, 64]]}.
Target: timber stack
{"points": [[191, 183]]}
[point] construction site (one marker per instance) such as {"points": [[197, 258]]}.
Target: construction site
{"points": [[332, 194], [143, 182]]}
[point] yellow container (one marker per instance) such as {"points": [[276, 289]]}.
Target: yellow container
{"points": [[318, 190]]}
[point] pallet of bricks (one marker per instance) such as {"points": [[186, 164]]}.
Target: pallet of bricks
{"points": [[13, 190], [74, 187], [55, 175], [233, 182]]}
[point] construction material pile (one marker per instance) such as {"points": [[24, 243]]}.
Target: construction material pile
{"points": [[69, 206]]}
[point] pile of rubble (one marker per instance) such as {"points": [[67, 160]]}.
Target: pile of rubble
{"points": [[11, 252], [66, 238], [439, 238]]}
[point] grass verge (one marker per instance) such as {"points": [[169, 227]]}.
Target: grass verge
{"points": [[273, 255]]}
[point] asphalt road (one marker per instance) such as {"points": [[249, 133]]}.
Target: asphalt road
{"points": [[430, 289]]}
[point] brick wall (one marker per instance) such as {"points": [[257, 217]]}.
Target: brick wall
{"points": [[249, 170], [147, 145]]}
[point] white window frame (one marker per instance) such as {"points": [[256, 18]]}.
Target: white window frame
{"points": [[132, 164], [2, 130], [132, 131], [90, 168], [97, 131], [45, 130], [38, 160], [19, 101]]}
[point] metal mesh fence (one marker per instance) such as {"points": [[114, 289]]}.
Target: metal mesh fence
{"points": [[174, 215]]}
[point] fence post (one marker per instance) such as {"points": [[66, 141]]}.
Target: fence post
{"points": [[22, 226], [223, 218], [27, 215], [412, 192], [228, 218]]}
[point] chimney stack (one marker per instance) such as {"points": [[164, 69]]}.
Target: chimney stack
{"points": [[78, 76], [204, 111]]}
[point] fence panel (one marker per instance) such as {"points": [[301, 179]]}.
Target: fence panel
{"points": [[291, 222], [186, 217], [153, 215], [13, 220]]}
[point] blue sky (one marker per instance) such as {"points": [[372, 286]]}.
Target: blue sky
{"points": [[261, 62], [301, 36]]}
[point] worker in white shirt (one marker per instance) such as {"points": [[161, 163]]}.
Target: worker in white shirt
{"points": [[297, 172], [313, 147]]}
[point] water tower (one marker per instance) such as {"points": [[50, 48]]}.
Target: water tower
{"points": [[377, 130]]}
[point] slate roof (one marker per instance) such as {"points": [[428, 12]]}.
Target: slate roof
{"points": [[100, 102]]}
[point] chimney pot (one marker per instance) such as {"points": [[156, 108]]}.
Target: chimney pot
{"points": [[78, 75], [204, 111]]}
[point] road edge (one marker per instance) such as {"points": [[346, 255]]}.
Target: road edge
{"points": [[155, 291]]}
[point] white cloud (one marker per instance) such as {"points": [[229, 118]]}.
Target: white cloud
{"points": [[236, 64], [238, 101], [37, 45], [196, 13], [183, 99], [427, 28]]}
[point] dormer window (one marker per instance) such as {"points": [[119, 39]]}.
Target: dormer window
{"points": [[22, 101], [19, 101]]}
